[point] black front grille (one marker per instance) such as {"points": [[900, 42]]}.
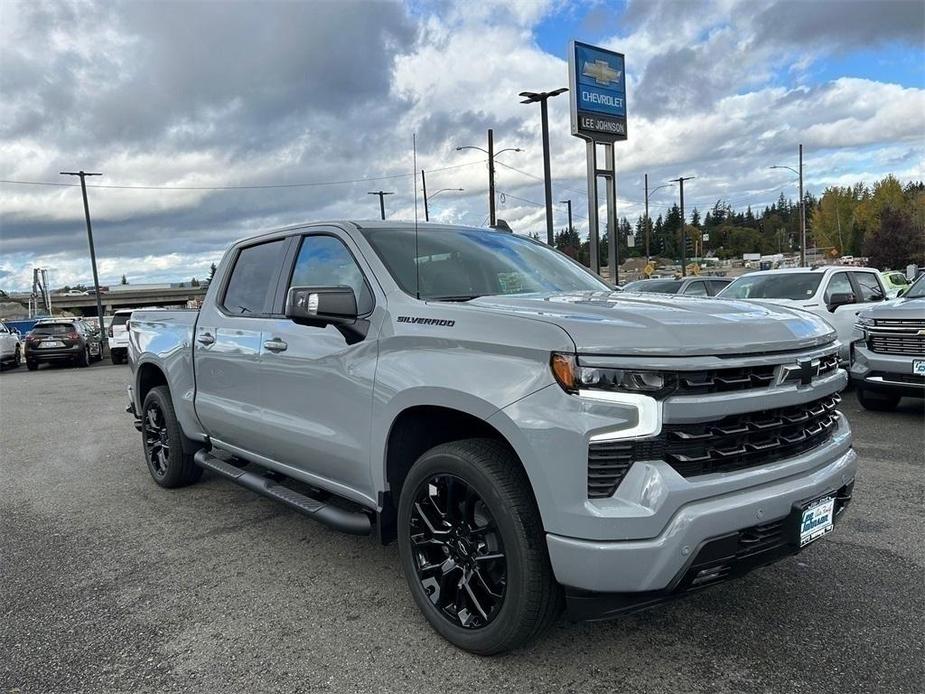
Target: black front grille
{"points": [[743, 378], [896, 343], [745, 440], [726, 445], [903, 323]]}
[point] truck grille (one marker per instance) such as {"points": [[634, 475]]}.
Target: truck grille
{"points": [[733, 443], [896, 343], [746, 440], [744, 378]]}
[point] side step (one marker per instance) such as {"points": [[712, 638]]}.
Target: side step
{"points": [[353, 522]]}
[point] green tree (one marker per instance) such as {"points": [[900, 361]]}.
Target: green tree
{"points": [[212, 270], [124, 280], [895, 243]]}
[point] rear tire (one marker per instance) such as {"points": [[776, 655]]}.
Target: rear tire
{"points": [[84, 359], [878, 402], [493, 588], [118, 356], [163, 439], [17, 358], [31, 365]]}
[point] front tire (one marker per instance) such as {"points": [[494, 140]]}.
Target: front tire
{"points": [[472, 547], [162, 439], [32, 365], [878, 402], [17, 358]]}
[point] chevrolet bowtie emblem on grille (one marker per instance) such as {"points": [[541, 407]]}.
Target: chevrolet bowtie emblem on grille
{"points": [[921, 333], [601, 72], [804, 371]]}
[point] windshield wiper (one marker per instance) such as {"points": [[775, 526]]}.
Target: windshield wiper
{"points": [[455, 297]]}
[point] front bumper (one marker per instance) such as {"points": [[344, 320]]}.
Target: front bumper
{"points": [[660, 563], [886, 373]]}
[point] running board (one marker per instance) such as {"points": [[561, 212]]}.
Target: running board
{"points": [[353, 522]]}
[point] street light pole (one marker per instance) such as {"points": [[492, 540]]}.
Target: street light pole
{"points": [[802, 206], [542, 98], [433, 195], [649, 221], [96, 280], [569, 204], [491, 170], [381, 194], [680, 180]]}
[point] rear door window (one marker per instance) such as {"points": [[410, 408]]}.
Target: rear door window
{"points": [[868, 286], [253, 279], [697, 288]]}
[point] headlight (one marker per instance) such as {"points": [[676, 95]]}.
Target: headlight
{"points": [[573, 377]]}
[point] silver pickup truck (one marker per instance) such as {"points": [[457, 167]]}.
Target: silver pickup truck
{"points": [[525, 433]]}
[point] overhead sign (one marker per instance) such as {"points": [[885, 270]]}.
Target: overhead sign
{"points": [[597, 84]]}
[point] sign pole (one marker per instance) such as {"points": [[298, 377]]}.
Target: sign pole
{"points": [[613, 248], [593, 228]]}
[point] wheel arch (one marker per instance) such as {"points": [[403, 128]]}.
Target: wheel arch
{"points": [[415, 430]]}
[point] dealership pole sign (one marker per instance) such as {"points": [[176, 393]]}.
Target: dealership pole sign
{"points": [[597, 82]]}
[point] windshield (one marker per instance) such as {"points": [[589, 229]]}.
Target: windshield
{"points": [[659, 286], [786, 285], [120, 319], [917, 290], [462, 264]]}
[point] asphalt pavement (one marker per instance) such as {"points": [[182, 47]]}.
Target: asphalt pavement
{"points": [[109, 583]]}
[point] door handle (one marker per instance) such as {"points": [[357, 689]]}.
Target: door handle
{"points": [[205, 339], [275, 345]]}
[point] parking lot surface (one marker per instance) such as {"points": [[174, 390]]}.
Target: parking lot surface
{"points": [[110, 583]]}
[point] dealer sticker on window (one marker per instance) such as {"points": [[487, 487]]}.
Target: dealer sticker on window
{"points": [[817, 520]]}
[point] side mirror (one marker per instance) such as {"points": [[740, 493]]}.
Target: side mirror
{"points": [[841, 299], [902, 291], [321, 305]]}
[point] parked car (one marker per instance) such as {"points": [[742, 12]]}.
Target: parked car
{"points": [[894, 281], [688, 286], [76, 292], [10, 347], [889, 360], [118, 336], [834, 293], [521, 429], [62, 339]]}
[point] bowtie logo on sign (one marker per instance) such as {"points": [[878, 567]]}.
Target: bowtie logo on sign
{"points": [[601, 73]]}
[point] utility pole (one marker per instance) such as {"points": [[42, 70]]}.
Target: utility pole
{"points": [[491, 170], [569, 204], [96, 280], [491, 177], [424, 186], [542, 98], [381, 194], [680, 180]]}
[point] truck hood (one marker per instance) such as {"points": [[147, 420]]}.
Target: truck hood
{"points": [[635, 324], [898, 309]]}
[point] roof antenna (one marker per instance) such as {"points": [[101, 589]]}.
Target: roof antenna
{"points": [[414, 178]]}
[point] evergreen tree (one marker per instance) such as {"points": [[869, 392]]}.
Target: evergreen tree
{"points": [[124, 280]]}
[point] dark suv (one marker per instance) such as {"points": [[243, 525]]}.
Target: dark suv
{"points": [[57, 340]]}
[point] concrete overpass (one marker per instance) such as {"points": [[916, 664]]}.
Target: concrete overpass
{"points": [[85, 305]]}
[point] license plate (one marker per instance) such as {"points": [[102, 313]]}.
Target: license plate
{"points": [[53, 343], [918, 367], [817, 520]]}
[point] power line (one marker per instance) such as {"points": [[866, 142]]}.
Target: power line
{"points": [[248, 187]]}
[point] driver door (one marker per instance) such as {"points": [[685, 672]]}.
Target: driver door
{"points": [[317, 383]]}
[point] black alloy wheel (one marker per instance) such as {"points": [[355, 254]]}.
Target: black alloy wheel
{"points": [[458, 552], [156, 439]]}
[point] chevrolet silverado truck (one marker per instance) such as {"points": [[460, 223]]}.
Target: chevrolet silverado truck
{"points": [[528, 435], [889, 359]]}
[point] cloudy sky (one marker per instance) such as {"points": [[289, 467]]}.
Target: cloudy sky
{"points": [[173, 100]]}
